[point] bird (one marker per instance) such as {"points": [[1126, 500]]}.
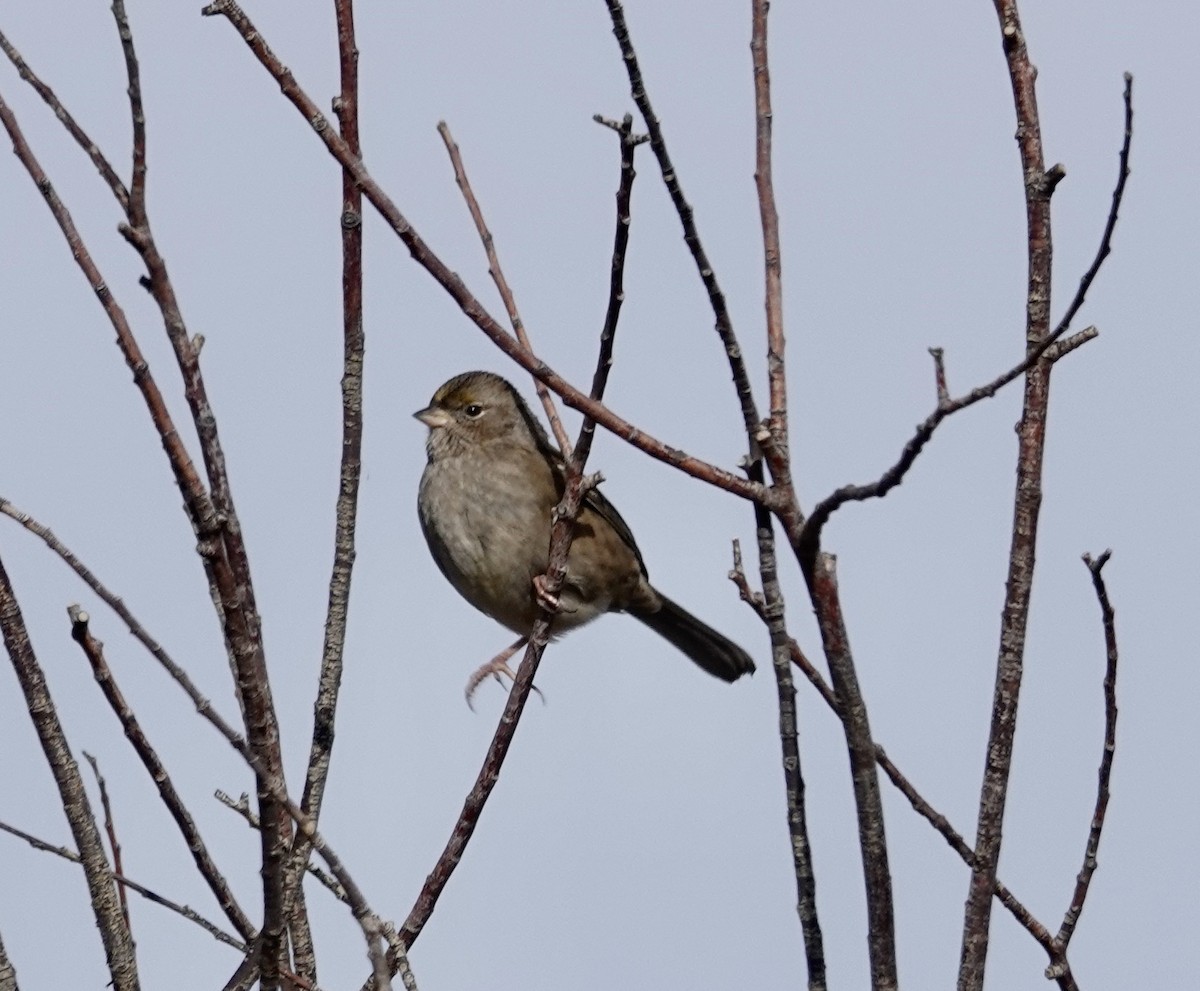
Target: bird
{"points": [[485, 502]]}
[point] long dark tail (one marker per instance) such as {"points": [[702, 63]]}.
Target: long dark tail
{"points": [[708, 649]]}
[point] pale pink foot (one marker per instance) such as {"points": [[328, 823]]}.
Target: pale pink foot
{"points": [[551, 603], [497, 668]]}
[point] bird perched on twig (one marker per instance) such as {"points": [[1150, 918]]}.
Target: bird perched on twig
{"points": [[486, 500]]}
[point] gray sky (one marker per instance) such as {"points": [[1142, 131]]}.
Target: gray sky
{"points": [[637, 836]]}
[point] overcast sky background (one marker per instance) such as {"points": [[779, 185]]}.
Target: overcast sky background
{"points": [[637, 837]]}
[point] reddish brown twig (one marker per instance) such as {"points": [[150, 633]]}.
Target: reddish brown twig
{"points": [[502, 286], [820, 576], [939, 376], [103, 166]]}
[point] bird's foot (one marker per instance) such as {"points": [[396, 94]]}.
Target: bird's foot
{"points": [[551, 602], [497, 668]]}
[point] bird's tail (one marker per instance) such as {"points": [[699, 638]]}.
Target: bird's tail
{"points": [[708, 649]]}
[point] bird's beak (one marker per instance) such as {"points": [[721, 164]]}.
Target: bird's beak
{"points": [[433, 417]]}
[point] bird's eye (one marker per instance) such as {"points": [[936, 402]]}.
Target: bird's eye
{"points": [[473, 410]]}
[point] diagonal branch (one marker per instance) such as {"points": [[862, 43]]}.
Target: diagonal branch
{"points": [[106, 906], [1053, 347], [454, 285], [1110, 224], [1052, 350], [160, 776], [497, 274], [691, 236], [103, 166], [150, 895]]}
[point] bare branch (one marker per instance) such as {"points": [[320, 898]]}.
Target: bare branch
{"points": [[497, 274], [1031, 434], [770, 607], [346, 511], [1052, 347], [821, 578], [777, 450], [136, 207], [103, 166], [150, 895], [1084, 880], [93, 650], [455, 287], [1110, 224], [106, 907], [111, 829], [691, 236], [562, 532], [1051, 351]]}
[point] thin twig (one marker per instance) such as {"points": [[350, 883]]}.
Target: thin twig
{"points": [[1110, 224], [110, 829], [103, 166], [136, 207], [238, 609], [778, 449], [455, 287], [242, 807], [150, 895], [368, 921], [1084, 879], [94, 652], [616, 283], [691, 236], [346, 509], [502, 286], [106, 906], [920, 805], [771, 611], [1051, 348]]}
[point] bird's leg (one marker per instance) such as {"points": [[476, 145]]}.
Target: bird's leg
{"points": [[497, 668]]}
